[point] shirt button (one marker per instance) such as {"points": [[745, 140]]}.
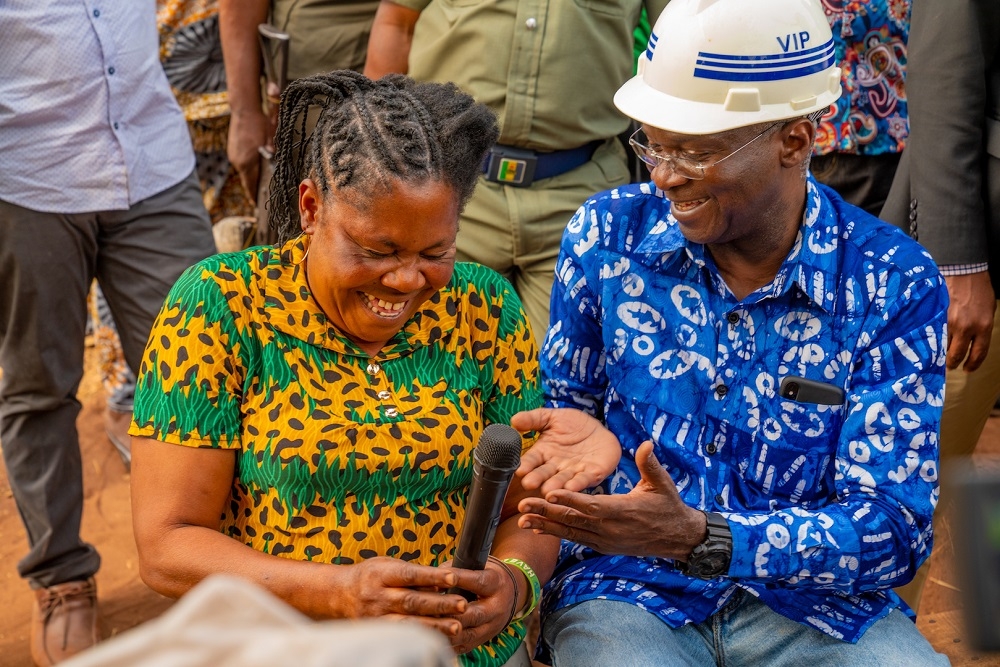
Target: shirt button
{"points": [[97, 13], [373, 369], [111, 70], [384, 395], [114, 125], [721, 390], [710, 448], [391, 412], [733, 317], [531, 24], [719, 499]]}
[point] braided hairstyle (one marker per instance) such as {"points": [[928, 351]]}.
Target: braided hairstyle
{"points": [[370, 132]]}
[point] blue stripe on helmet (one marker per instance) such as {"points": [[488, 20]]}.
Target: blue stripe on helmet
{"points": [[808, 60], [771, 75], [778, 56]]}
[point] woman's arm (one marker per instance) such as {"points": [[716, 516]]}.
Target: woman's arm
{"points": [[178, 495]]}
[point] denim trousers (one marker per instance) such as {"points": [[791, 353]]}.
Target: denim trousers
{"points": [[744, 633]]}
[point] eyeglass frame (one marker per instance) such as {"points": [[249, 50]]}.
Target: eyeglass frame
{"points": [[653, 159]]}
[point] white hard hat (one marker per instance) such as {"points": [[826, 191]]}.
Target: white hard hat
{"points": [[714, 65]]}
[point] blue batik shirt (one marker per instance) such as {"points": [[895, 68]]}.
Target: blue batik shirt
{"points": [[829, 505]]}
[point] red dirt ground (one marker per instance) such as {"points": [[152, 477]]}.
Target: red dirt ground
{"points": [[125, 601]]}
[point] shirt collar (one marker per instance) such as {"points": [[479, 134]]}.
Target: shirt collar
{"points": [[289, 307], [811, 265]]}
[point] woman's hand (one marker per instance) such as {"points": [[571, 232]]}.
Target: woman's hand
{"points": [[487, 616], [393, 588], [574, 451]]}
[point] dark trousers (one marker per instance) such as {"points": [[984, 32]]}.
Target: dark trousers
{"points": [[862, 180], [47, 263]]}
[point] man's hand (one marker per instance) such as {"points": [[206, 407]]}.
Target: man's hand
{"points": [[574, 451], [970, 319], [650, 520], [248, 131]]}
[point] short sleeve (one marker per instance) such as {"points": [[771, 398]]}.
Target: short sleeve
{"points": [[190, 381]]}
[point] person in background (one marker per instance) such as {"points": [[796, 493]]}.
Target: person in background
{"points": [[192, 59], [324, 397], [324, 35], [858, 141], [765, 363], [549, 70], [946, 195], [98, 181]]}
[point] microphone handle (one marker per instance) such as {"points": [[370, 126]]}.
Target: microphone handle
{"points": [[482, 516]]}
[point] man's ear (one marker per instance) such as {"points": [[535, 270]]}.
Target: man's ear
{"points": [[798, 142], [309, 202]]}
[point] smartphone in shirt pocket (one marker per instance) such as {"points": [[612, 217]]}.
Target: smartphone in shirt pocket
{"points": [[804, 390]]}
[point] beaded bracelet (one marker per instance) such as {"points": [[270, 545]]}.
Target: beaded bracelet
{"points": [[536, 588], [513, 582]]}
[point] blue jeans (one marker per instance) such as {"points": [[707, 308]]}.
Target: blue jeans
{"points": [[744, 632]]}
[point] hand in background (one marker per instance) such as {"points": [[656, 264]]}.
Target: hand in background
{"points": [[650, 520], [970, 319], [248, 131], [574, 451]]}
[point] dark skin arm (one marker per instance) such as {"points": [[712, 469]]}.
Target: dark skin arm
{"points": [[179, 493], [391, 37], [249, 127], [650, 520]]}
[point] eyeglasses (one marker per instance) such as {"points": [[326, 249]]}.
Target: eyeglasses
{"points": [[689, 169]]}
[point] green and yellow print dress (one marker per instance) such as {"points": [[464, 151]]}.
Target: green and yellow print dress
{"points": [[342, 456]]}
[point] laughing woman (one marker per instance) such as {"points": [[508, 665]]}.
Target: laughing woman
{"points": [[324, 397]]}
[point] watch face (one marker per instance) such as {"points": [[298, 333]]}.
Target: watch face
{"points": [[714, 564]]}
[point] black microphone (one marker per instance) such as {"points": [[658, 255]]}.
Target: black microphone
{"points": [[496, 457]]}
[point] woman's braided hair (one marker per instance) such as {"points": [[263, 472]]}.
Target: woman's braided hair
{"points": [[370, 132]]}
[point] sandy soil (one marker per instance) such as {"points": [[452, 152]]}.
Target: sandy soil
{"points": [[125, 601]]}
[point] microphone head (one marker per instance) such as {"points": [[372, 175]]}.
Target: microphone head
{"points": [[499, 447]]}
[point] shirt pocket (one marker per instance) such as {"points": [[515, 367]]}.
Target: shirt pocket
{"points": [[608, 7], [792, 452]]}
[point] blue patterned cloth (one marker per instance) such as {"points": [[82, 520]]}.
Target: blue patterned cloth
{"points": [[829, 506], [870, 117]]}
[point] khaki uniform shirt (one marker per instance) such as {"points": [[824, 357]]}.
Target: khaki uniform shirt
{"points": [[549, 68], [324, 34]]}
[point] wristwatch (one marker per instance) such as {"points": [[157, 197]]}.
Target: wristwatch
{"points": [[711, 558]]}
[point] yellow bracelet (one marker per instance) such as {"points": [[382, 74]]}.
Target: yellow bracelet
{"points": [[535, 594]]}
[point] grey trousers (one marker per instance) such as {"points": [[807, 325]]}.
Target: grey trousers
{"points": [[47, 263]]}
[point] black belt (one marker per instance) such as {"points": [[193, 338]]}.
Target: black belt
{"points": [[520, 167]]}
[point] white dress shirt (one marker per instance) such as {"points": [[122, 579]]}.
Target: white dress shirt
{"points": [[87, 119]]}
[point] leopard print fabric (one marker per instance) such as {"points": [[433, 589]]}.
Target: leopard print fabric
{"points": [[342, 456]]}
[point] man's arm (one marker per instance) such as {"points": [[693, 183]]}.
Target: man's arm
{"points": [[249, 128], [942, 168], [389, 44]]}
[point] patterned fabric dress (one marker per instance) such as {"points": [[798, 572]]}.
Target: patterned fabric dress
{"points": [[341, 456], [870, 117]]}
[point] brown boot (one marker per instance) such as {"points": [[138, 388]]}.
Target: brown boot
{"points": [[63, 621]]}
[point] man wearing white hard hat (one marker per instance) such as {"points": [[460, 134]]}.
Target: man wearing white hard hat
{"points": [[760, 365]]}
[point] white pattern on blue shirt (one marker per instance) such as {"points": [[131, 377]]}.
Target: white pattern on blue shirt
{"points": [[87, 119], [829, 506]]}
